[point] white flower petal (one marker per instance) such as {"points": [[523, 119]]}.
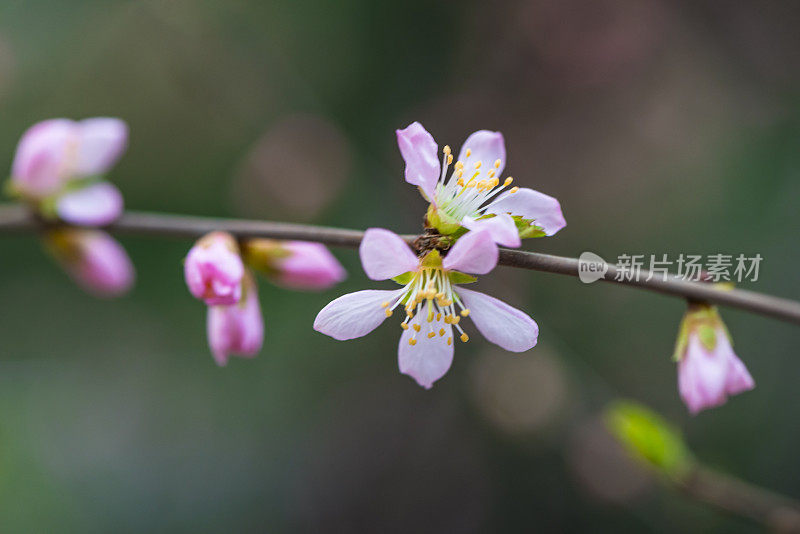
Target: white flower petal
{"points": [[430, 358], [500, 323], [355, 314]]}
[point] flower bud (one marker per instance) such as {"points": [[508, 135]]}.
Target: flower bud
{"points": [[95, 260], [294, 264], [708, 369], [55, 151], [213, 269], [236, 329]]}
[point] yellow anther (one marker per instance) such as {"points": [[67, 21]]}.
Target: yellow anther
{"points": [[412, 341], [404, 326], [490, 174], [459, 173], [497, 163], [441, 332], [495, 182], [416, 327], [431, 334], [384, 304], [468, 152], [459, 165], [478, 164], [508, 181], [449, 159], [439, 295], [449, 340], [456, 319], [460, 182], [480, 185], [464, 338], [447, 319], [388, 313], [438, 316], [513, 189], [464, 312], [446, 150]]}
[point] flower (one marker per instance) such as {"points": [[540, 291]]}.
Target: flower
{"points": [[58, 165], [294, 264], [95, 260], [473, 197], [433, 303], [214, 270], [708, 369], [236, 329]]}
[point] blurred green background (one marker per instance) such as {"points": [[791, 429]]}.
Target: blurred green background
{"points": [[662, 127]]}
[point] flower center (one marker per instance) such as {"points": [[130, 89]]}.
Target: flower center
{"points": [[467, 190], [431, 297]]}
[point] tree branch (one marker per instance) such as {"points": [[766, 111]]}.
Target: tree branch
{"points": [[15, 218]]}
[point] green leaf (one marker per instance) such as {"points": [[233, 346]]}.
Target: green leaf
{"points": [[527, 229], [648, 437], [707, 336], [404, 278], [461, 278]]}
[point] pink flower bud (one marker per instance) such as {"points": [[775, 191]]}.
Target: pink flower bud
{"points": [[708, 369], [294, 264], [55, 151], [237, 329], [213, 269], [95, 260], [308, 266]]}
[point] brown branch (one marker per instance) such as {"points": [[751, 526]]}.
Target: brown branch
{"points": [[14, 218], [735, 496]]}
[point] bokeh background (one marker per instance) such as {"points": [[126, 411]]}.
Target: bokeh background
{"points": [[662, 127]]}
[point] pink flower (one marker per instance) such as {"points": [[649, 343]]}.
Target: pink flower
{"points": [[93, 259], [60, 160], [473, 196], [236, 329], [708, 369], [296, 265], [214, 270], [433, 302]]}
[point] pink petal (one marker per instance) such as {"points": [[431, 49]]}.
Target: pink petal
{"points": [[486, 147], [421, 155], [102, 142], [500, 323], [430, 358], [309, 266], [738, 379], [475, 252], [98, 263], [214, 271], [41, 163], [236, 328], [385, 255], [702, 375], [95, 205], [501, 227], [529, 204], [355, 314]]}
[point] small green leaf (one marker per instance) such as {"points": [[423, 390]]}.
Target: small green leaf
{"points": [[461, 278], [648, 437], [404, 278], [441, 221], [432, 260], [707, 336], [527, 229]]}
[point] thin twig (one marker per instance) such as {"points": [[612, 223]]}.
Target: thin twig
{"points": [[14, 218], [735, 496]]}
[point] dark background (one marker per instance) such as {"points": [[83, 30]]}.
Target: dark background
{"points": [[662, 127]]}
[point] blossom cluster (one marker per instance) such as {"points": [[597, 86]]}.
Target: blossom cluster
{"points": [[472, 209]]}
